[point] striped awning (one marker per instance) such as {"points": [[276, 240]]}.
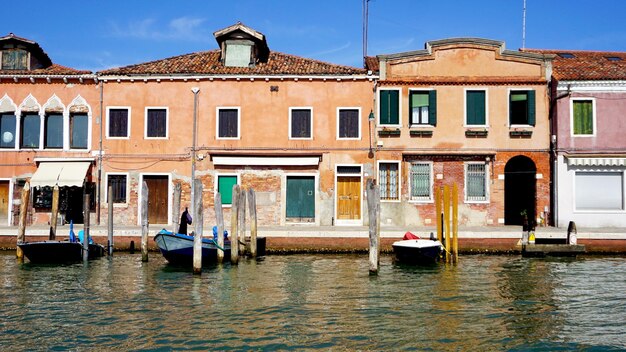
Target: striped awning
{"points": [[63, 174], [593, 161]]}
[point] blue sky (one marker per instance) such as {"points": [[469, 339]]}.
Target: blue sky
{"points": [[99, 34]]}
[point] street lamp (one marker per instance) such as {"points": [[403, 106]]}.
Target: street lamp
{"points": [[195, 91]]}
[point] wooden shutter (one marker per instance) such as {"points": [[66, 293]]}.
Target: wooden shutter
{"points": [[432, 107], [300, 123], [348, 123], [228, 123], [531, 107], [118, 123], [475, 107], [389, 107], [157, 123]]}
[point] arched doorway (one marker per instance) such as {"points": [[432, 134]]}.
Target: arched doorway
{"points": [[520, 190]]}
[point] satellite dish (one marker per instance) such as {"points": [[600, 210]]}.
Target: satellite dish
{"points": [[7, 137]]}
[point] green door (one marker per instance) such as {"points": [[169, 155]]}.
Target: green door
{"points": [[301, 197]]}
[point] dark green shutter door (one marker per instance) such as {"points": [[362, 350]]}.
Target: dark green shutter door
{"points": [[300, 197], [475, 107], [389, 107], [432, 107], [225, 187], [531, 107]]}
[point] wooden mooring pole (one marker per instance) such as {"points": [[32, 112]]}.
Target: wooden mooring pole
{"points": [[144, 222], [21, 229], [110, 221], [86, 227], [253, 227], [439, 215], [455, 222], [176, 208], [241, 237], [197, 237], [373, 210], [54, 213], [219, 218], [234, 239]]}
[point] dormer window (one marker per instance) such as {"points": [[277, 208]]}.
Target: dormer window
{"points": [[14, 59], [238, 53]]}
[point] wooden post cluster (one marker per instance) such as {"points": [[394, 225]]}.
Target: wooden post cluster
{"points": [[373, 210], [110, 221], [238, 243], [446, 208], [253, 228], [144, 222], [21, 229], [197, 237]]}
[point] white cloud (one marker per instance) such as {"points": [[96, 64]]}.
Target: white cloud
{"points": [[182, 28]]}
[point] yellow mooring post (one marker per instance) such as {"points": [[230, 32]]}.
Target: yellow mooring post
{"points": [[438, 213], [21, 227], [446, 219], [455, 221]]}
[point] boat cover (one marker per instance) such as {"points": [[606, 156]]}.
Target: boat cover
{"points": [[409, 236]]}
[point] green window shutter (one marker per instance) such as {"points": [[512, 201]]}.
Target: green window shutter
{"points": [[475, 107], [432, 107], [389, 107], [583, 117], [225, 187], [531, 107]]}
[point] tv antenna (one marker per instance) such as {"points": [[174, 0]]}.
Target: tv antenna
{"points": [[524, 26], [365, 23]]}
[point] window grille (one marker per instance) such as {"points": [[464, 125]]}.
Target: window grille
{"points": [[420, 181], [388, 181], [475, 183]]}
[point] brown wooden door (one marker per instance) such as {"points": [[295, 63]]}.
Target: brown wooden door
{"points": [[157, 199], [4, 201], [348, 198]]}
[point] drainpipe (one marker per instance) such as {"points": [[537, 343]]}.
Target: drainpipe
{"points": [[554, 146], [99, 180]]}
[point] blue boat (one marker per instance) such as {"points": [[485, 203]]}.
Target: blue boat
{"points": [[178, 248]]}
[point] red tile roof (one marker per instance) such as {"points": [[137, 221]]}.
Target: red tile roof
{"points": [[53, 70], [208, 62], [587, 65]]}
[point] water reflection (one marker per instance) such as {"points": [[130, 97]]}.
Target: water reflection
{"points": [[304, 302]]}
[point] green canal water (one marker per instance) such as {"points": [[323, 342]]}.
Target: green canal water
{"points": [[315, 302]]}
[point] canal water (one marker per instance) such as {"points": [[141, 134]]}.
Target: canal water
{"points": [[315, 302]]}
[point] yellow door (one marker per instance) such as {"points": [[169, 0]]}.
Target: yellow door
{"points": [[348, 198], [4, 202]]}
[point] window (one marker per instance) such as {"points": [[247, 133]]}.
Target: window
{"points": [[583, 117], [613, 58], [522, 107], [79, 131], [475, 182], [238, 54], [389, 107], [421, 181], [14, 59], [156, 123], [118, 122], [349, 125], [225, 185], [389, 180], [475, 111], [30, 129], [566, 55], [423, 107], [118, 188], [7, 130], [599, 190], [300, 123], [228, 123], [53, 131]]}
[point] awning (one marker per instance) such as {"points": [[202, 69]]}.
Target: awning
{"points": [[596, 161], [63, 174], [266, 160]]}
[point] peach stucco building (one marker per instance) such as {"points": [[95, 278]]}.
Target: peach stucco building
{"points": [[467, 112]]}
